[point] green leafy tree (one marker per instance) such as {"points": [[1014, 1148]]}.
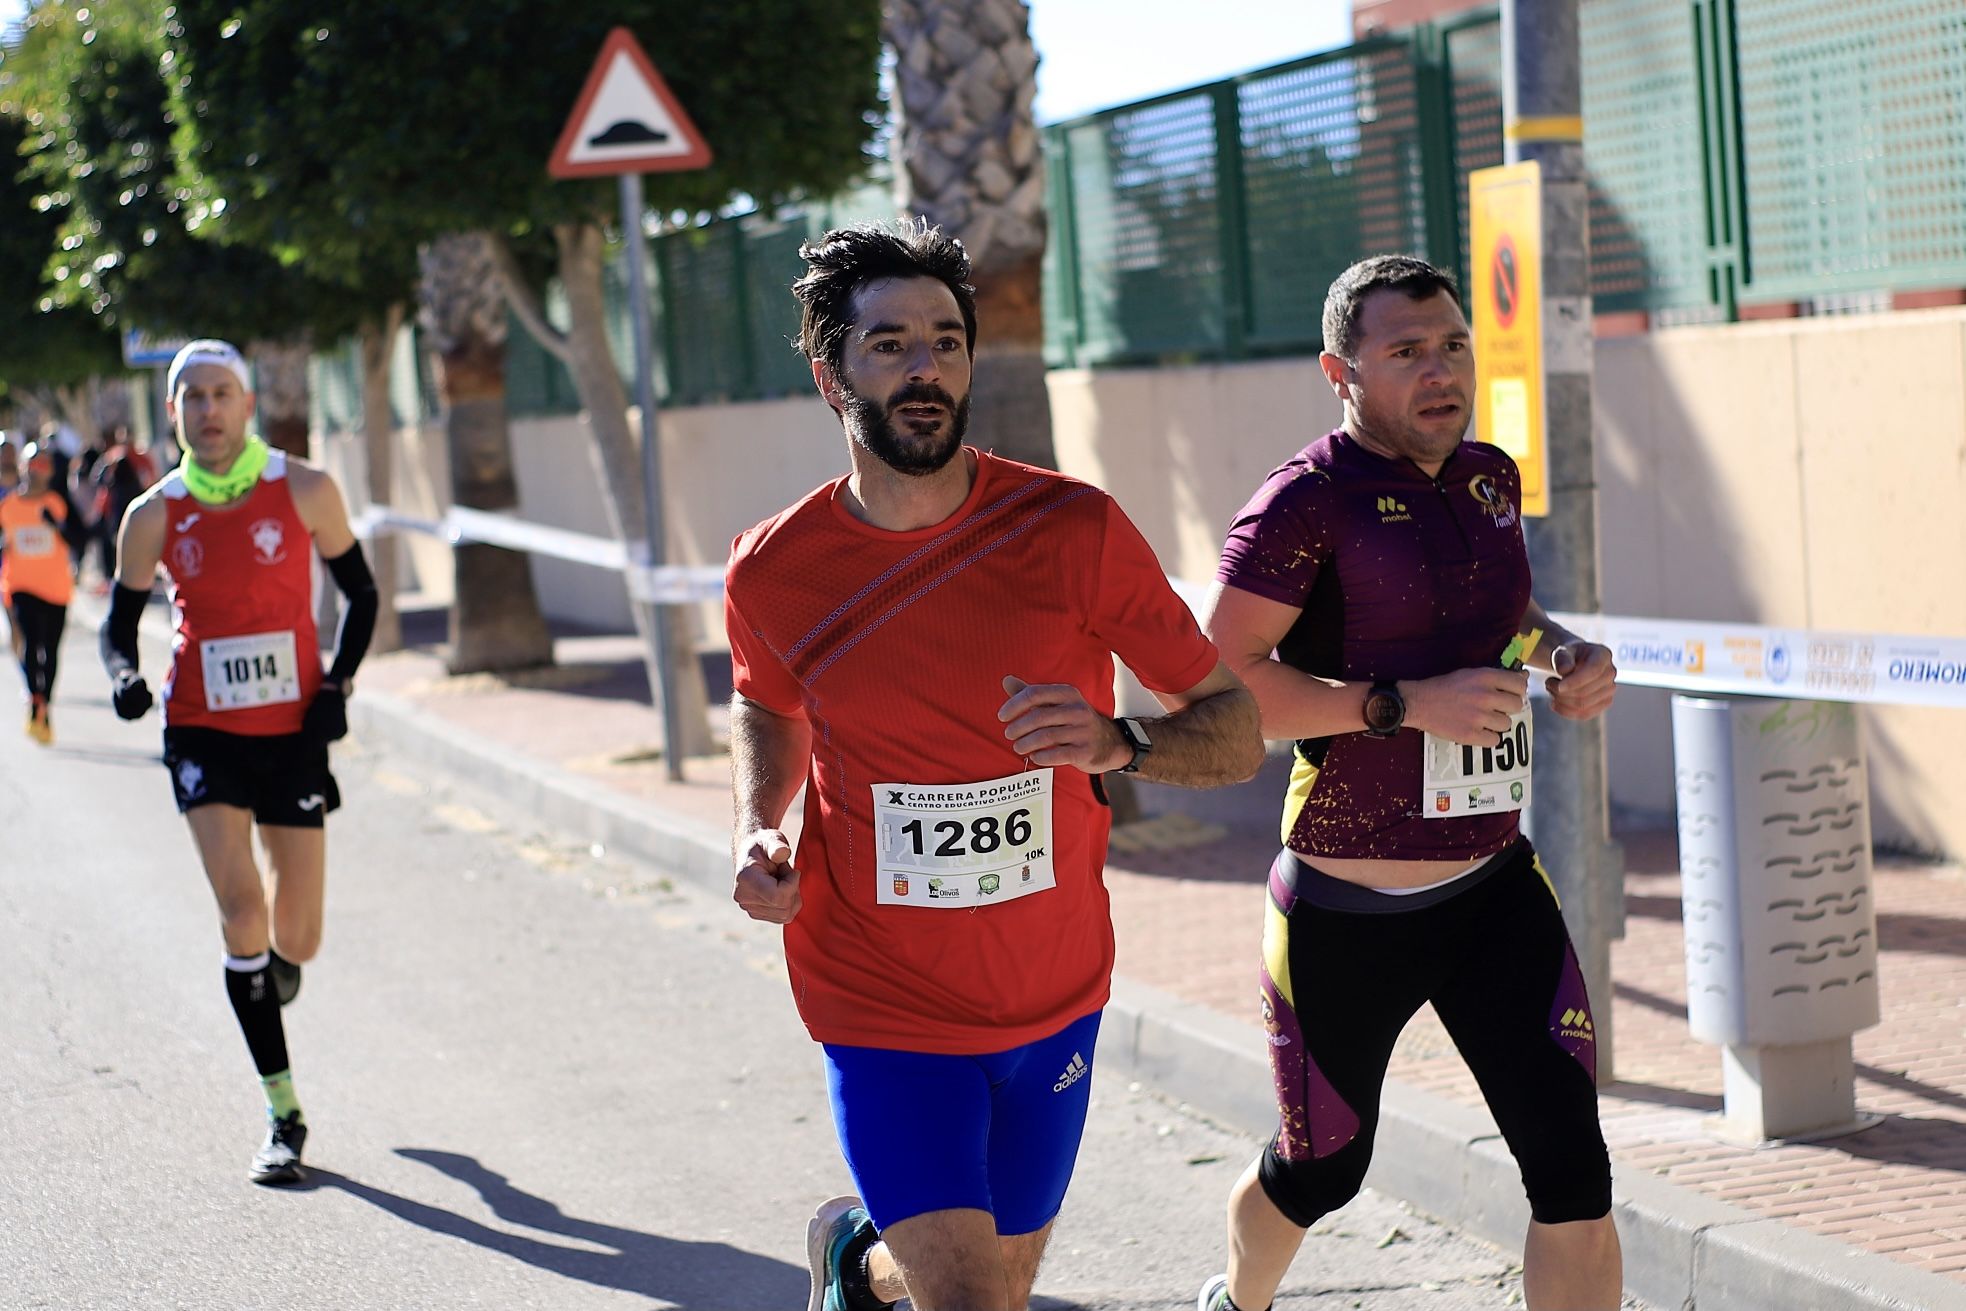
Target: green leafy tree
{"points": [[386, 123], [86, 81], [46, 349]]}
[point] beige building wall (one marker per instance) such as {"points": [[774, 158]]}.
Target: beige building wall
{"points": [[1803, 473]]}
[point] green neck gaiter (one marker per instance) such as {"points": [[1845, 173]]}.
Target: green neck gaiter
{"points": [[217, 489]]}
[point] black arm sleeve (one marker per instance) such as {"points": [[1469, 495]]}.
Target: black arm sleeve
{"points": [[351, 643], [119, 631]]}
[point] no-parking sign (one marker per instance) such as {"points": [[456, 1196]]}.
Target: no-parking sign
{"points": [[1505, 217]]}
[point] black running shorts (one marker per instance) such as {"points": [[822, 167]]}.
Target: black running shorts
{"points": [[283, 780]]}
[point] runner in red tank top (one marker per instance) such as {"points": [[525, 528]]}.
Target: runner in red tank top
{"points": [[926, 645], [248, 712]]}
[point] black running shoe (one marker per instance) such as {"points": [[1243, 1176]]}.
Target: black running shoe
{"points": [[278, 1161], [286, 977]]}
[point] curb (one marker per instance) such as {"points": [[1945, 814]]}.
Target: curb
{"points": [[1684, 1251]]}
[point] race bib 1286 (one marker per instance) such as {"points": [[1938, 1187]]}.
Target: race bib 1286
{"points": [[958, 846]]}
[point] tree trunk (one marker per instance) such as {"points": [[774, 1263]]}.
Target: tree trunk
{"points": [[965, 80], [75, 405], [378, 343], [495, 618], [617, 457], [280, 379]]}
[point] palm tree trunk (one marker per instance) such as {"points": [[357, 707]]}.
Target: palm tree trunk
{"points": [[965, 81], [495, 618], [377, 342], [280, 379]]}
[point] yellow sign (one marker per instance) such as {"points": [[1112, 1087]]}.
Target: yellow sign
{"points": [[1505, 259]]}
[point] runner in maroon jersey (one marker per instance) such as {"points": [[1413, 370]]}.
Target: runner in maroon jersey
{"points": [[248, 712], [926, 645], [1384, 570]]}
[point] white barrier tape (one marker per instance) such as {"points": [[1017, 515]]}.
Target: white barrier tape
{"points": [[1680, 655], [518, 535], [676, 584], [669, 584], [1751, 660]]}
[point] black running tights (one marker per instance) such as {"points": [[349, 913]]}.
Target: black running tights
{"points": [[40, 623]]}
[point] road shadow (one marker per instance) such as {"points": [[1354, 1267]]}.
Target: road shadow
{"points": [[126, 756], [703, 1276]]}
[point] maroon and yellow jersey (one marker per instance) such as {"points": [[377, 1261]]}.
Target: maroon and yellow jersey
{"points": [[1398, 576], [245, 657], [953, 897]]}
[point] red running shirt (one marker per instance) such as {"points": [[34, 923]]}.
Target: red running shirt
{"points": [[244, 657], [894, 647]]}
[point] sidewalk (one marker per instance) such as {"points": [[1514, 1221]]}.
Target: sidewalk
{"points": [[1872, 1220]]}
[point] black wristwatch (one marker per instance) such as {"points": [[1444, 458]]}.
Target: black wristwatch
{"points": [[1385, 710], [1136, 737]]}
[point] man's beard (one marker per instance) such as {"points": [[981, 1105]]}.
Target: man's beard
{"points": [[877, 433]]}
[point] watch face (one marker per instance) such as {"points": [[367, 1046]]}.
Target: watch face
{"points": [[1382, 712]]}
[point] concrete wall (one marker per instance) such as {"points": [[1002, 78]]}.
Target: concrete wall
{"points": [[724, 468], [1807, 473], [1804, 473]]}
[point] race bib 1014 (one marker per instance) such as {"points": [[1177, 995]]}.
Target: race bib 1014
{"points": [[255, 669], [958, 846]]}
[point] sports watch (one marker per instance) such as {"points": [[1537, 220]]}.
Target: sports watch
{"points": [[1385, 710], [1136, 737]]}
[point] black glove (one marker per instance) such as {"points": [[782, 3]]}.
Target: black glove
{"points": [[131, 696], [327, 716]]}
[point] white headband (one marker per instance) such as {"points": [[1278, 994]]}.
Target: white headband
{"points": [[208, 350]]}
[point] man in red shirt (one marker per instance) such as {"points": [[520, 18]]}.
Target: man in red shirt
{"points": [[248, 712], [926, 646]]}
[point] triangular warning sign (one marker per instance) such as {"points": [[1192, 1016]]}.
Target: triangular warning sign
{"points": [[626, 120]]}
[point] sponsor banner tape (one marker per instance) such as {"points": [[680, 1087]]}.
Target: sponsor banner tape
{"points": [[1805, 665]]}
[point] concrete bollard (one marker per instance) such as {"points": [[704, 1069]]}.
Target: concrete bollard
{"points": [[1781, 929]]}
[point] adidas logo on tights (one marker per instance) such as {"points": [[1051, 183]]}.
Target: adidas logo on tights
{"points": [[1077, 1070]]}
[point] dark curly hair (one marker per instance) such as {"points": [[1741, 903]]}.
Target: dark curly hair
{"points": [[1345, 302], [844, 260]]}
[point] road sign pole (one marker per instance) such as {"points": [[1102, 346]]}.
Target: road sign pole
{"points": [[653, 552], [1542, 114]]}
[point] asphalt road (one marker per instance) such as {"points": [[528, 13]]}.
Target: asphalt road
{"points": [[536, 1075]]}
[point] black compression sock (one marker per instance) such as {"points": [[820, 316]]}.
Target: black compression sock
{"points": [[855, 1282], [249, 985]]}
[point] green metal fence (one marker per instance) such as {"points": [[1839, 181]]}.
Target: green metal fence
{"points": [[1853, 129], [1739, 150]]}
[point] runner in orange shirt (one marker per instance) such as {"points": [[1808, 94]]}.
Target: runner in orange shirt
{"points": [[35, 582]]}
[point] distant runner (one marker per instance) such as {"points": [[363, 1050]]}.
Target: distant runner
{"points": [[248, 713]]}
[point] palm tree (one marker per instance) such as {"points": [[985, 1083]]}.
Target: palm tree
{"points": [[969, 159], [377, 338], [280, 378], [495, 619]]}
